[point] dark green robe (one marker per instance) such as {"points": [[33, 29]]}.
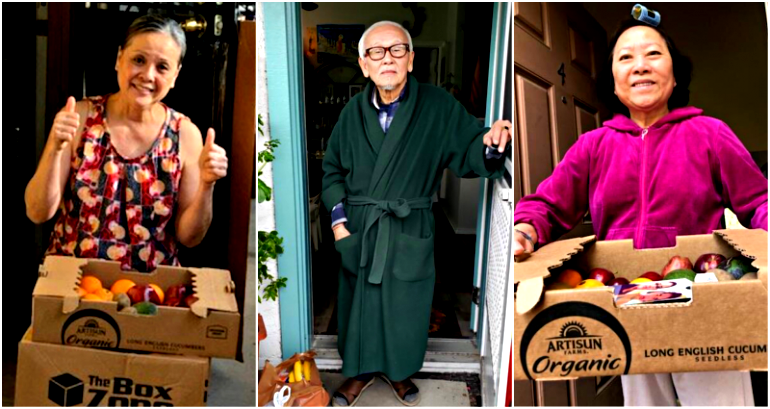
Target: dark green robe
{"points": [[388, 273]]}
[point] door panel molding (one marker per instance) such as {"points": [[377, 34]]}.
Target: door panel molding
{"points": [[532, 18], [532, 125]]}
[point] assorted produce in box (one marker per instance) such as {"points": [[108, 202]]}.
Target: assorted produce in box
{"points": [[135, 298], [721, 267]]}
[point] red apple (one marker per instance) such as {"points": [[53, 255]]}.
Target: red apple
{"points": [[176, 294], [141, 292], [600, 274], [677, 263], [653, 276], [190, 300], [618, 281], [708, 262]]}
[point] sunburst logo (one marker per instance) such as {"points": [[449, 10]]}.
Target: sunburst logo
{"points": [[573, 330]]}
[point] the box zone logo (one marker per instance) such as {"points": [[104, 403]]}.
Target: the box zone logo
{"points": [[65, 390], [68, 390]]}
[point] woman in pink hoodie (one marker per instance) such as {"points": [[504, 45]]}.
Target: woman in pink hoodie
{"points": [[656, 170]]}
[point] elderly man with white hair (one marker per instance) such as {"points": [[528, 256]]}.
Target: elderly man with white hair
{"points": [[384, 162]]}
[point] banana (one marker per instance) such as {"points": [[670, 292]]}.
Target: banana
{"points": [[291, 377], [298, 371], [306, 370]]}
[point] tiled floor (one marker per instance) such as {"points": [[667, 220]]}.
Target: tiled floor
{"points": [[232, 383]]}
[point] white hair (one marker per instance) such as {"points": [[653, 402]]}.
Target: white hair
{"points": [[362, 51]]}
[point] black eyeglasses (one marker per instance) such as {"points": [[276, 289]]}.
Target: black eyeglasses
{"points": [[396, 51]]}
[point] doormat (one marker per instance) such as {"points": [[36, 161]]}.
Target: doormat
{"points": [[436, 390]]}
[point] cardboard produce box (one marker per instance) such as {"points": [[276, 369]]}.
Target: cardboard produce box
{"points": [[59, 375], [209, 328], [569, 334]]}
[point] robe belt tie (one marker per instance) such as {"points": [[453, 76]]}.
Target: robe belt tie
{"points": [[382, 211]]}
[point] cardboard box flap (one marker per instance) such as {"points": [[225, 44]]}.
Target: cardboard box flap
{"points": [[63, 283], [750, 243], [547, 257], [215, 291]]}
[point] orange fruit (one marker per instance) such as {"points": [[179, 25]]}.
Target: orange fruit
{"points": [[81, 291], [590, 283], [558, 286], [92, 297], [104, 294], [570, 277], [121, 286], [640, 280], [159, 291], [91, 284]]}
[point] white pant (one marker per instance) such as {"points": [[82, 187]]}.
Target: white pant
{"points": [[694, 389]]}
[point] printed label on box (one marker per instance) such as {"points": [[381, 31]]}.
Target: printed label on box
{"points": [[574, 339], [91, 328]]}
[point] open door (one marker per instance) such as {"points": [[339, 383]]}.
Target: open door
{"points": [[493, 245]]}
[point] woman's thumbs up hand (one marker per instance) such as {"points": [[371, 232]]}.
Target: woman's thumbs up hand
{"points": [[65, 124], [213, 160]]}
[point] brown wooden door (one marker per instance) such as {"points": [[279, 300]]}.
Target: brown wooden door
{"points": [[558, 50]]}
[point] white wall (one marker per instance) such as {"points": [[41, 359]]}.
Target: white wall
{"points": [[270, 348]]}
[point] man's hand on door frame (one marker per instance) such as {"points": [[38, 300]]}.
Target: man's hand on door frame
{"points": [[499, 135]]}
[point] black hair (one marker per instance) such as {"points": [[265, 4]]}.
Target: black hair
{"points": [[156, 24], [605, 82]]}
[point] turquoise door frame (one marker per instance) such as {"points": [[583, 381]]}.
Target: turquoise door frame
{"points": [[496, 88], [286, 116], [283, 60]]}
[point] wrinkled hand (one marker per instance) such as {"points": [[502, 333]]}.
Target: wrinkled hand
{"points": [[340, 232], [499, 135], [65, 124], [213, 160], [521, 244]]}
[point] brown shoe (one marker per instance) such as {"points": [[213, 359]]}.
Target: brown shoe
{"points": [[350, 391], [406, 391]]}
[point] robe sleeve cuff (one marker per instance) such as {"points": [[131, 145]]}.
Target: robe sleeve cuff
{"points": [[333, 195], [338, 214]]}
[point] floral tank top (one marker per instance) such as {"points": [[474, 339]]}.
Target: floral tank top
{"points": [[121, 209]]}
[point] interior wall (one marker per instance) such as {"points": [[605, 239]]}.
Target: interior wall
{"points": [[436, 26], [727, 43]]}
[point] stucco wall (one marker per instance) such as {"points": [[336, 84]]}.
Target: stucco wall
{"points": [[270, 348]]}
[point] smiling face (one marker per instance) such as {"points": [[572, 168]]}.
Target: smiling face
{"points": [[643, 71], [388, 73], [148, 66]]}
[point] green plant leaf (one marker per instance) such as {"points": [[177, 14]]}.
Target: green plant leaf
{"points": [[264, 191]]}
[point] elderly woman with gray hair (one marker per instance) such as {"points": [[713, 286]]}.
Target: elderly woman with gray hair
{"points": [[131, 176]]}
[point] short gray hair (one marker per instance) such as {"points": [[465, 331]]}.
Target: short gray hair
{"points": [[151, 23], [362, 51]]}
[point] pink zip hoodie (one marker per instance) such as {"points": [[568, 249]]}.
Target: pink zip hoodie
{"points": [[650, 185]]}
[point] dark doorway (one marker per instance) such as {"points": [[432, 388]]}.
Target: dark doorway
{"points": [[459, 65]]}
